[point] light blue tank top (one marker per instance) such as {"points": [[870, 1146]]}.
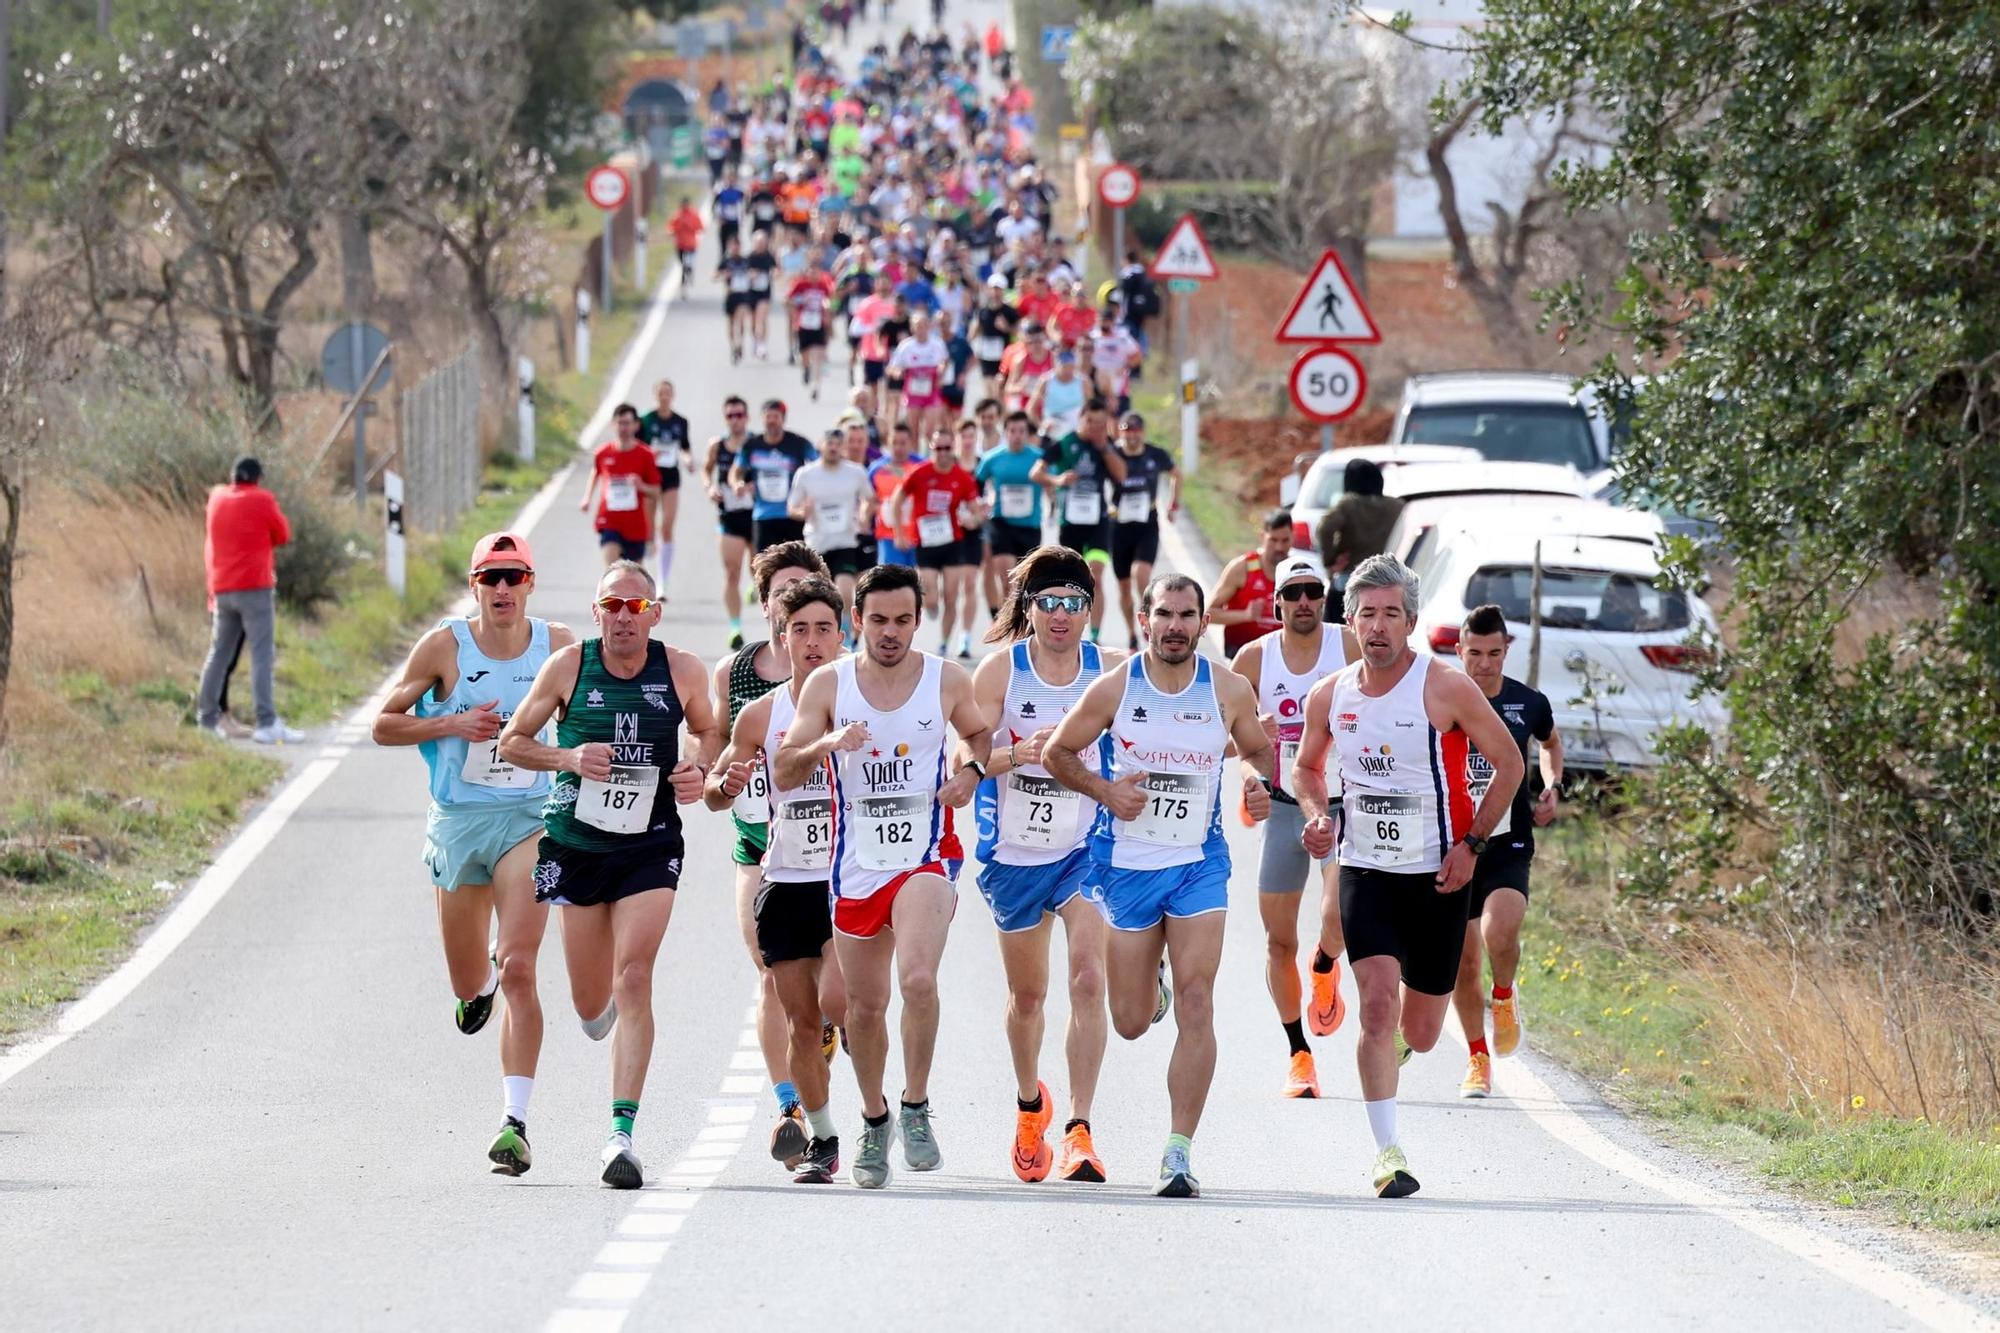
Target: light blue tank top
{"points": [[1177, 740], [1030, 704], [459, 776], [1061, 402]]}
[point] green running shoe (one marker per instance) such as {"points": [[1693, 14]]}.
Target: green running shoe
{"points": [[920, 1147], [1177, 1177], [1392, 1174], [1403, 1051], [871, 1163], [1166, 996], [509, 1153]]}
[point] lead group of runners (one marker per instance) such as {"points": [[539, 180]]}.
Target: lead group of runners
{"points": [[846, 758]]}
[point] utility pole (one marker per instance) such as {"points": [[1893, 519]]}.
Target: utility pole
{"points": [[6, 75], [103, 18]]}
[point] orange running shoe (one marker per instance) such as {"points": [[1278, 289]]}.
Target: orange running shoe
{"points": [[1328, 1010], [1507, 1024], [1078, 1160], [1031, 1151], [1303, 1079], [1478, 1076]]}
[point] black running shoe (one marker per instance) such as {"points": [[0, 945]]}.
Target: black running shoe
{"points": [[509, 1153], [821, 1164]]}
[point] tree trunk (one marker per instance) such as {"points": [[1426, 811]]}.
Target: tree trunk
{"points": [[357, 266], [11, 488], [1505, 328], [492, 334]]}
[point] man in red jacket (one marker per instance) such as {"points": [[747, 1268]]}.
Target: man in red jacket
{"points": [[245, 526]]}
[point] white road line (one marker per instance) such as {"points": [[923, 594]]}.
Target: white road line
{"points": [[244, 849], [1915, 1297]]}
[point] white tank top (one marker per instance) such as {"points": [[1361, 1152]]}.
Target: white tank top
{"points": [[801, 850], [1403, 799], [1029, 819], [1282, 694], [888, 820], [1177, 741]]}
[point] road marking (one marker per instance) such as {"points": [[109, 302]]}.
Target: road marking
{"points": [[243, 850], [1911, 1295]]}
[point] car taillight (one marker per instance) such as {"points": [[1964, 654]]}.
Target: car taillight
{"points": [[1676, 656], [1444, 639], [1302, 536]]}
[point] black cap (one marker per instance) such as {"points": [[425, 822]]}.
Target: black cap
{"points": [[248, 471]]}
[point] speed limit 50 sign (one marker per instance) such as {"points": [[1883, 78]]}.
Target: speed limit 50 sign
{"points": [[1328, 385]]}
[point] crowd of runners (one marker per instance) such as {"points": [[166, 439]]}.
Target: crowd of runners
{"points": [[985, 455]]}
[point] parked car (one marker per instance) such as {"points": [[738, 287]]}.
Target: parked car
{"points": [[1424, 518], [1326, 480], [1411, 475], [1617, 652], [1507, 416]]}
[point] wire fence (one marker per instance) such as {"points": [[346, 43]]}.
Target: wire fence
{"points": [[439, 423]]}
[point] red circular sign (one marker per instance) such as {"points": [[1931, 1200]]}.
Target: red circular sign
{"points": [[607, 188], [1328, 385], [1118, 186]]}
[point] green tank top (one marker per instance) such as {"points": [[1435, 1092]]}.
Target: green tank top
{"points": [[745, 688], [640, 719]]}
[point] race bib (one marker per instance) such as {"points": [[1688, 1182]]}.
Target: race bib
{"points": [[621, 494], [483, 767], [1383, 830], [1038, 812], [830, 517], [765, 212], [892, 832], [1176, 810], [1134, 507], [752, 805], [803, 835], [1017, 501], [760, 280], [1478, 777], [621, 803], [989, 349], [810, 320], [935, 530], [739, 282], [1288, 756], [774, 487], [919, 383], [1082, 506]]}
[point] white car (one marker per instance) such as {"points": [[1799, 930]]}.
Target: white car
{"points": [[1433, 475], [1326, 480], [1508, 416], [1617, 653], [1426, 518]]}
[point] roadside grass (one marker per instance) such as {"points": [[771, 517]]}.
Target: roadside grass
{"points": [[110, 800], [1655, 1020]]}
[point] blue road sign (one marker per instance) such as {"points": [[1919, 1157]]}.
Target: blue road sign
{"points": [[1056, 38]]}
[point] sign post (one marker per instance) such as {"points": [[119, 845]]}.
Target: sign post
{"points": [[1117, 188], [583, 330], [1327, 384], [345, 362], [608, 189], [524, 418], [639, 253], [395, 556], [1185, 261]]}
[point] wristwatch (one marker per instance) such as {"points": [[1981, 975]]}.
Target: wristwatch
{"points": [[1477, 844], [976, 767]]}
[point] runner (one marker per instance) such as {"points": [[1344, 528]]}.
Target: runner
{"points": [[666, 431], [1059, 396], [881, 718], [1159, 867], [612, 827], [1023, 365], [1499, 886], [1282, 667], [463, 681], [1135, 519], [810, 304], [939, 499], [788, 918], [833, 498], [918, 366], [762, 266], [732, 508], [1114, 355], [624, 480], [1395, 725], [1034, 851], [895, 544], [1007, 478], [1242, 598], [739, 680], [734, 275], [1077, 465], [767, 463], [687, 226]]}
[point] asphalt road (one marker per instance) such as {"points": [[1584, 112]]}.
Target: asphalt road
{"points": [[279, 1126]]}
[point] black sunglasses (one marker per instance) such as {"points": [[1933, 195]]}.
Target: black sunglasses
{"points": [[1292, 593], [493, 578]]}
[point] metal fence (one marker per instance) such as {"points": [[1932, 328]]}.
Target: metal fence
{"points": [[439, 421]]}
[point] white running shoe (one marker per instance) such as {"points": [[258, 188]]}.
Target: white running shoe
{"points": [[278, 734], [621, 1165], [598, 1028]]}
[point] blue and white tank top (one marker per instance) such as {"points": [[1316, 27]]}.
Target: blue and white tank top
{"points": [[466, 774], [1177, 741], [1027, 818]]}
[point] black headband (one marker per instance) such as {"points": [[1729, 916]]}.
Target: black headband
{"points": [[1057, 578]]}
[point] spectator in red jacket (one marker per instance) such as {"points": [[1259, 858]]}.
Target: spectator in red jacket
{"points": [[245, 527]]}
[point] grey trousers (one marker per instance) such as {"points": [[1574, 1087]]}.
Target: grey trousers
{"points": [[251, 616]]}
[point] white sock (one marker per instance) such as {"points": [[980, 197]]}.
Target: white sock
{"points": [[1382, 1121], [821, 1120], [516, 1089], [663, 556], [492, 980]]}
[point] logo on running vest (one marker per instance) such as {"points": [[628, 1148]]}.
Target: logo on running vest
{"points": [[1476, 767], [923, 724], [625, 729], [1027, 708], [595, 699], [880, 773], [1378, 765], [1192, 719], [1349, 722], [656, 695], [1514, 713], [1279, 688], [1139, 714], [1288, 708], [1404, 724], [476, 677]]}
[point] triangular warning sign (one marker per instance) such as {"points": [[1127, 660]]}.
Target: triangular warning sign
{"points": [[1328, 309], [1186, 253]]}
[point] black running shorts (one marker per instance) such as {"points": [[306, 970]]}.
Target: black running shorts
{"points": [[1404, 917], [794, 921], [1500, 868], [572, 877]]}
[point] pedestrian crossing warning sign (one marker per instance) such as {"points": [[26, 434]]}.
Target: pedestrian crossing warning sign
{"points": [[1328, 309], [1186, 253]]}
